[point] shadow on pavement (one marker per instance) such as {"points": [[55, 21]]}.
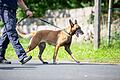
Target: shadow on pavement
{"points": [[33, 65], [16, 68], [71, 64]]}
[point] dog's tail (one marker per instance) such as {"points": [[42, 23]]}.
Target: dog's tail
{"points": [[23, 34]]}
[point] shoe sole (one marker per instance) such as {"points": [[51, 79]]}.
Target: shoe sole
{"points": [[5, 62], [30, 57]]}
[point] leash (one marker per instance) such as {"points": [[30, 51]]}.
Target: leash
{"points": [[45, 22], [39, 19], [55, 26], [18, 22], [49, 23]]}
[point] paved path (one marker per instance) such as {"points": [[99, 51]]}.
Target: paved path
{"points": [[62, 71]]}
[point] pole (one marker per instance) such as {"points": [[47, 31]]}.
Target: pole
{"points": [[109, 21], [97, 24]]}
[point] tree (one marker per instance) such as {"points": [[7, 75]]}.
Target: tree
{"points": [[40, 6]]}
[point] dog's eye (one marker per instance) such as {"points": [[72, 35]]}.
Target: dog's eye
{"points": [[79, 27]]}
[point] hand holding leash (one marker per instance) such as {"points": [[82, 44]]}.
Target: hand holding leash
{"points": [[28, 13]]}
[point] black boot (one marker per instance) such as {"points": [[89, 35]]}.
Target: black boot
{"points": [[4, 61], [26, 59]]}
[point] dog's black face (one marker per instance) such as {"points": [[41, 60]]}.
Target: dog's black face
{"points": [[76, 29], [79, 31]]}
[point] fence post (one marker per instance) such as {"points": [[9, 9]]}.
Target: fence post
{"points": [[109, 21], [97, 24]]}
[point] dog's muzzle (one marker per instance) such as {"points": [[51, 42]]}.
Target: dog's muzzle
{"points": [[79, 32]]}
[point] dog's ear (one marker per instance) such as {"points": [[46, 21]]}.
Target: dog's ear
{"points": [[71, 23], [75, 21]]}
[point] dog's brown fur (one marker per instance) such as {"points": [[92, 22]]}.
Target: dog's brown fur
{"points": [[55, 38]]}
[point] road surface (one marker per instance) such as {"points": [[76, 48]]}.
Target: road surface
{"points": [[34, 70]]}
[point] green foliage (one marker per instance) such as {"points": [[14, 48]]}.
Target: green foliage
{"points": [[40, 6]]}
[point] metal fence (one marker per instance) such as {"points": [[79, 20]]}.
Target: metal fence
{"points": [[115, 25]]}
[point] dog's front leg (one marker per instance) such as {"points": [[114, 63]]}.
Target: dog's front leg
{"points": [[67, 48], [55, 54]]}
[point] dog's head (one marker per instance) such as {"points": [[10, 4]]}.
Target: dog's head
{"points": [[75, 28]]}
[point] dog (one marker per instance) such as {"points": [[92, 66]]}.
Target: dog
{"points": [[56, 38]]}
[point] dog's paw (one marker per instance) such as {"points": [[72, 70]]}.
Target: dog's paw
{"points": [[55, 63], [45, 62], [78, 62]]}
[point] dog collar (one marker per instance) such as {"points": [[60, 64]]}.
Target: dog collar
{"points": [[67, 32]]}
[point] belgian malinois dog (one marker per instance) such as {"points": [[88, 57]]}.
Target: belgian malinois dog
{"points": [[56, 38]]}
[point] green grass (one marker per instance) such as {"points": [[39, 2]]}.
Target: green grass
{"points": [[82, 51]]}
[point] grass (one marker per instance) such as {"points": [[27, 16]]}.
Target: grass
{"points": [[82, 51]]}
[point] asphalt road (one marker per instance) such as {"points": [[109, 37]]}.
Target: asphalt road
{"points": [[34, 70]]}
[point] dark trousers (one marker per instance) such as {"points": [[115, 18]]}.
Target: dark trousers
{"points": [[9, 33]]}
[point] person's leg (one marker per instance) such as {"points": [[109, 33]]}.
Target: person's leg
{"points": [[9, 18], [4, 41]]}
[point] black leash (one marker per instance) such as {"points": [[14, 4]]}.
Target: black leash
{"points": [[39, 19], [49, 23], [18, 22], [55, 26], [45, 22]]}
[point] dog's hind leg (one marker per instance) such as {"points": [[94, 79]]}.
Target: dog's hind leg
{"points": [[33, 43], [67, 48], [41, 46]]}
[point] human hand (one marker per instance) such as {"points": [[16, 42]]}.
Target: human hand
{"points": [[29, 13]]}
